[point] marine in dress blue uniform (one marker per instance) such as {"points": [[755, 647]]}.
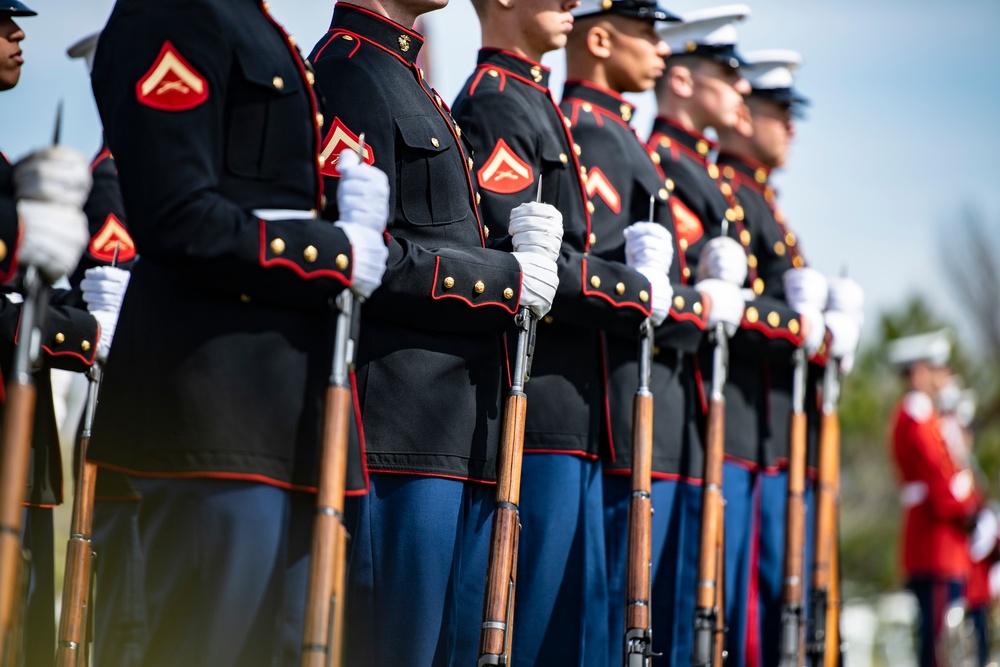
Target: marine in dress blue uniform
{"points": [[212, 395], [704, 44], [519, 135], [432, 364]]}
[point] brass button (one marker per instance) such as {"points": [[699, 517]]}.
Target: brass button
{"points": [[291, 40], [798, 262], [590, 207], [458, 131], [655, 157], [728, 171], [508, 294], [341, 261], [278, 83], [479, 287], [310, 254], [774, 319], [435, 143], [595, 282], [471, 163], [665, 142], [626, 112], [323, 201], [686, 272], [449, 282], [760, 176], [85, 346], [245, 298], [683, 243], [3, 251], [663, 193], [779, 248], [670, 184], [548, 319], [752, 261], [567, 122], [790, 239], [702, 147], [586, 107], [758, 286], [583, 171], [493, 73], [745, 237], [690, 46], [793, 326], [620, 288], [656, 350], [277, 246], [643, 296], [697, 308], [563, 158], [679, 302], [592, 238], [752, 315], [479, 198], [730, 215], [739, 211], [486, 231], [321, 161], [348, 38], [320, 120], [769, 195], [60, 338], [726, 189], [713, 171], [311, 78], [577, 149]]}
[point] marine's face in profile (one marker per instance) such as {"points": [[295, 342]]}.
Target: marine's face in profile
{"points": [[11, 59]]}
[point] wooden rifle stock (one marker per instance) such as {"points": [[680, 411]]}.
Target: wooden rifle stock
{"points": [[795, 518], [709, 628], [501, 572], [19, 415], [638, 626], [824, 639], [323, 633], [71, 650]]}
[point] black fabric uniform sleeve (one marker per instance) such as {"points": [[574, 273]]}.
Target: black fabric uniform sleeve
{"points": [[177, 214], [8, 221]]}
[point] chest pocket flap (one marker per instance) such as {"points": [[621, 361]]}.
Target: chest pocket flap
{"points": [[433, 175]]}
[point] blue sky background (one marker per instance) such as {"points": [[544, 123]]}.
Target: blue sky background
{"points": [[904, 129]]}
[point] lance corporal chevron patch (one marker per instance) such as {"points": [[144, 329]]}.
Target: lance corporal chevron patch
{"points": [[340, 139], [172, 84], [112, 235], [504, 172]]}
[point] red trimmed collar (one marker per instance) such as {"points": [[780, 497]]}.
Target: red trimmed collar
{"points": [[393, 37], [757, 173], [603, 98], [696, 143], [525, 68]]}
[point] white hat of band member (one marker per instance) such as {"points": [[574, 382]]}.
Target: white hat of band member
{"points": [[771, 74], [707, 32], [85, 49], [640, 9], [933, 348]]}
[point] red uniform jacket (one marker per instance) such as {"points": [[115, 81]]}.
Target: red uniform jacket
{"points": [[939, 499]]}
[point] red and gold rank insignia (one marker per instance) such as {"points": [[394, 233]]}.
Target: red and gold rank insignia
{"points": [[338, 140], [598, 184], [172, 84], [504, 172], [112, 235], [688, 225]]}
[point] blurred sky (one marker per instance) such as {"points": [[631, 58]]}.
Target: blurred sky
{"points": [[903, 131]]}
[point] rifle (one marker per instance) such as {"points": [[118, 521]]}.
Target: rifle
{"points": [[792, 604], [824, 640], [19, 415], [71, 651], [709, 622], [501, 571]]}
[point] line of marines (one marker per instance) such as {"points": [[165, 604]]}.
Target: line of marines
{"points": [[257, 183]]}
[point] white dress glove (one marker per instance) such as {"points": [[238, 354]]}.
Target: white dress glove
{"points": [[104, 290], [662, 294], [538, 228], [53, 237], [725, 259], [362, 193], [57, 174], [846, 296], [845, 332], [370, 256], [539, 280], [649, 246], [805, 289], [727, 303]]}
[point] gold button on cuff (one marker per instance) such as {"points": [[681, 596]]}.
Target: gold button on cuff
{"points": [[278, 83], [663, 193], [277, 246], [310, 254], [508, 294], [479, 287], [592, 238], [85, 346], [697, 308], [773, 319], [60, 338], [793, 326], [341, 261], [563, 158], [245, 298], [620, 288], [752, 315], [595, 282], [683, 244], [548, 319], [745, 237], [449, 282], [643, 296], [758, 286], [679, 302], [713, 171], [435, 143], [779, 248]]}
